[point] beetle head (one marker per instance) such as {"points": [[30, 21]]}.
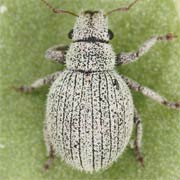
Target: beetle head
{"points": [[91, 25]]}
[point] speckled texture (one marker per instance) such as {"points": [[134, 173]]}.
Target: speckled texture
{"points": [[28, 29], [89, 121], [97, 24], [89, 117], [90, 56]]}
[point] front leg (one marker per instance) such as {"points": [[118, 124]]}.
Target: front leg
{"points": [[150, 93], [39, 82], [125, 58], [57, 53]]}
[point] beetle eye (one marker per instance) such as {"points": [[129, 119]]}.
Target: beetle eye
{"points": [[70, 34], [110, 33]]}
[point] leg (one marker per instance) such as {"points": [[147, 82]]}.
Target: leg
{"points": [[40, 82], [50, 160], [126, 58], [57, 53], [49, 148], [150, 93], [138, 138]]}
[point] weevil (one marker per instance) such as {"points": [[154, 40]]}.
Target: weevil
{"points": [[90, 112]]}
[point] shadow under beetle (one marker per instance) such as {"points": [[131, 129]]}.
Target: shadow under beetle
{"points": [[90, 112]]}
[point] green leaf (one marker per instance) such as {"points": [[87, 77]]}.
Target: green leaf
{"points": [[28, 28]]}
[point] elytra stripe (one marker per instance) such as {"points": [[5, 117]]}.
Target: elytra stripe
{"points": [[114, 88], [109, 116], [64, 109], [92, 125], [80, 159], [60, 99], [71, 117], [101, 121]]}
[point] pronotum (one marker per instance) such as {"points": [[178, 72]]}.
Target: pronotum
{"points": [[90, 111]]}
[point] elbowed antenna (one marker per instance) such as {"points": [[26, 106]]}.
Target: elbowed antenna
{"points": [[58, 11], [122, 8]]}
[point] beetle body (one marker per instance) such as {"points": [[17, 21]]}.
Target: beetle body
{"points": [[89, 118], [90, 112]]}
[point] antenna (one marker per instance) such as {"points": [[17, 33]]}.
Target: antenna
{"points": [[58, 11], [122, 8]]}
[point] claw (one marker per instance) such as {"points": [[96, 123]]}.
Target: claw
{"points": [[167, 37], [170, 36], [141, 160], [138, 154], [46, 166], [48, 163], [22, 89], [177, 104]]}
